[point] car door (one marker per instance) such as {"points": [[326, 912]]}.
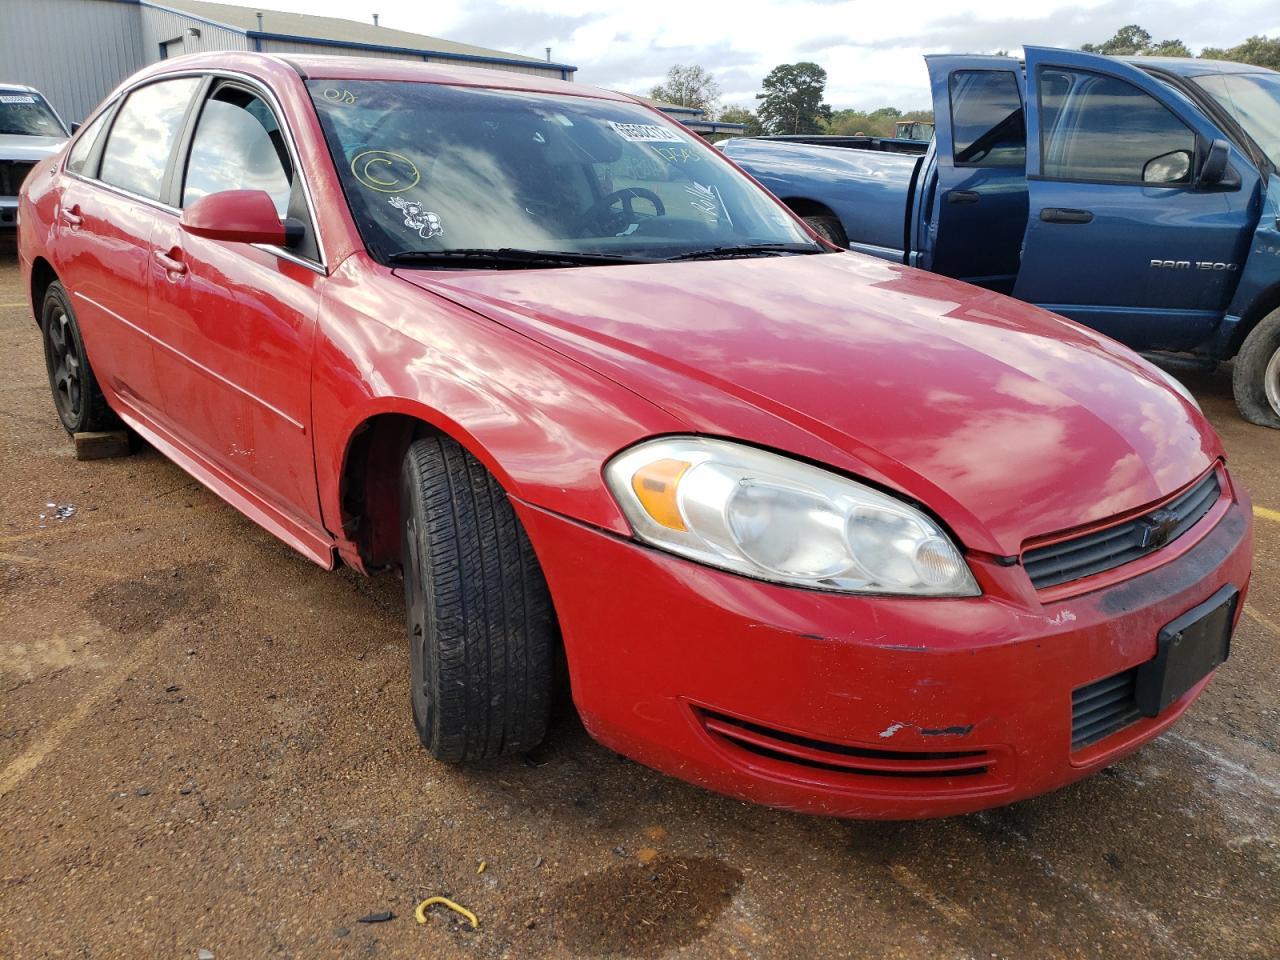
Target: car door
{"points": [[235, 322], [1121, 234], [976, 212], [107, 211]]}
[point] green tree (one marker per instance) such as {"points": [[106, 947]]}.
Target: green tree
{"points": [[744, 116], [690, 86], [876, 123], [1259, 51], [792, 99], [1133, 41]]}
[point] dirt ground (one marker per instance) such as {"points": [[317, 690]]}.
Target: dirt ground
{"points": [[205, 744]]}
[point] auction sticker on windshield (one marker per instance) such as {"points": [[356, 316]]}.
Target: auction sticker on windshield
{"points": [[645, 133]]}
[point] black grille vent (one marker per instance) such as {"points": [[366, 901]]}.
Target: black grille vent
{"points": [[1104, 549], [12, 173], [1102, 708], [841, 758]]}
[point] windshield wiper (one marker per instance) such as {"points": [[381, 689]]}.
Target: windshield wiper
{"points": [[749, 250], [487, 257]]}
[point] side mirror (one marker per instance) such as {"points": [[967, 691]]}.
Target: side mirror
{"points": [[1214, 170], [1168, 168], [240, 216]]}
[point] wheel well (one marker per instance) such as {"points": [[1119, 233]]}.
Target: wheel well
{"points": [[1262, 305], [809, 208], [42, 276], [369, 487]]}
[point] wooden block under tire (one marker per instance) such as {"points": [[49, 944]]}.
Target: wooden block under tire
{"points": [[99, 446]]}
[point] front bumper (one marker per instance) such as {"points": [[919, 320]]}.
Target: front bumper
{"points": [[869, 707]]}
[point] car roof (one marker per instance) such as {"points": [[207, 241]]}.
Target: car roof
{"points": [[19, 86], [326, 67], [1194, 66]]}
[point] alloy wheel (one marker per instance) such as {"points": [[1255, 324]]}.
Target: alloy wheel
{"points": [[65, 365]]}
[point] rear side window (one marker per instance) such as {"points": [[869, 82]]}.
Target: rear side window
{"points": [[238, 145], [142, 137], [1100, 128], [82, 150], [988, 128]]}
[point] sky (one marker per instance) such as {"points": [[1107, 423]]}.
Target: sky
{"points": [[871, 49]]}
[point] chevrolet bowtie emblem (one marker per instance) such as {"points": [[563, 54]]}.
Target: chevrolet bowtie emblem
{"points": [[1156, 529]]}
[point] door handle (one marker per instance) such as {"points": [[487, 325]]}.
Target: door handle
{"points": [[1065, 215], [963, 196], [171, 264], [73, 216]]}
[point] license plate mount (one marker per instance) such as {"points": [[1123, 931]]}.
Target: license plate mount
{"points": [[1188, 649]]}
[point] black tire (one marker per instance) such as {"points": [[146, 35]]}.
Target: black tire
{"points": [[1256, 377], [76, 395], [482, 636], [830, 229]]}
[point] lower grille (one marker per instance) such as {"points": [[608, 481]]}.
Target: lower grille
{"points": [[1121, 543], [12, 173], [1103, 707], [841, 758]]}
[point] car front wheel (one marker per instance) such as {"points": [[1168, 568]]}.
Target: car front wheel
{"points": [[482, 634], [1256, 378]]}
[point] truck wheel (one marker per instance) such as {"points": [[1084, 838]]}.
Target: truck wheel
{"points": [[76, 396], [1256, 379], [482, 635], [830, 229]]}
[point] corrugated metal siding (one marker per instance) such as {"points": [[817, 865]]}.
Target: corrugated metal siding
{"points": [[77, 51], [160, 26], [73, 51]]}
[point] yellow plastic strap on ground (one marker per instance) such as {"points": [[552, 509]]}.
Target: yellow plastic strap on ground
{"points": [[1267, 514], [421, 912]]}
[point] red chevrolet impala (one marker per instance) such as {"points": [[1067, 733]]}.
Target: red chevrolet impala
{"points": [[805, 527]]}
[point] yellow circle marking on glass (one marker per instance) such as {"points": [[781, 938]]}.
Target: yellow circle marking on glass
{"points": [[361, 163]]}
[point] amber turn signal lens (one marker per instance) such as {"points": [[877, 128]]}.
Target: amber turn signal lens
{"points": [[655, 487]]}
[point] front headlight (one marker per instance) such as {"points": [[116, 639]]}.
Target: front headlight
{"points": [[774, 518]]}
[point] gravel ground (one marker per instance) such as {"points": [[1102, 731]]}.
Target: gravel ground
{"points": [[205, 745]]}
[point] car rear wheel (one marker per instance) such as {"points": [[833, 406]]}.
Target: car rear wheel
{"points": [[76, 395], [482, 636], [830, 229], [1256, 378]]}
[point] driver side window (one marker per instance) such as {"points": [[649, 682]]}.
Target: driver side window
{"points": [[1098, 128], [238, 145]]}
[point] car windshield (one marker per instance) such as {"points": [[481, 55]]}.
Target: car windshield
{"points": [[1253, 99], [442, 174], [25, 114]]}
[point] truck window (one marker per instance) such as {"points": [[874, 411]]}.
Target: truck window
{"points": [[987, 124], [1102, 129]]}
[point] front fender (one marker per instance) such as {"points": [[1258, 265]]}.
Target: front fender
{"points": [[541, 423]]}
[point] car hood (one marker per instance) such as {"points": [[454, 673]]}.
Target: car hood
{"points": [[15, 147], [1007, 421]]}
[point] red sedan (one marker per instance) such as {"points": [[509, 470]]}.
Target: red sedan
{"points": [[805, 527]]}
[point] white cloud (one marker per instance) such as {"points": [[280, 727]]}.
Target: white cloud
{"points": [[871, 49]]}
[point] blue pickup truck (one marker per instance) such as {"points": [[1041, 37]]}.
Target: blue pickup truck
{"points": [[1137, 196]]}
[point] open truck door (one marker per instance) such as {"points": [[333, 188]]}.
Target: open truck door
{"points": [[1140, 212], [974, 210]]}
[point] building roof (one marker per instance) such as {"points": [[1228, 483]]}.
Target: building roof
{"points": [[670, 107], [305, 26]]}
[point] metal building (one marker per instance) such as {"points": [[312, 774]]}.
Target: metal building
{"points": [[76, 51]]}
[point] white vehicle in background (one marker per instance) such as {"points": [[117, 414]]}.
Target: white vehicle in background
{"points": [[30, 130]]}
